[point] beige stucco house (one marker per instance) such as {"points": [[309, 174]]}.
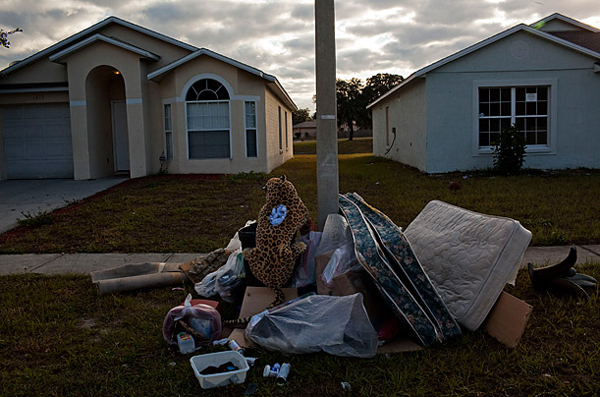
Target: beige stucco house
{"points": [[117, 97]]}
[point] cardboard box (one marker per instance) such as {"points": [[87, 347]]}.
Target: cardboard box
{"points": [[256, 299]]}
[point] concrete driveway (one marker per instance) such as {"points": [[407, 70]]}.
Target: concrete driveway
{"points": [[34, 196]]}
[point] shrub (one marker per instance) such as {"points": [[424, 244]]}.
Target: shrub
{"points": [[509, 151]]}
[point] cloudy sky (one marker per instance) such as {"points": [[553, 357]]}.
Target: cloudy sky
{"points": [[277, 36]]}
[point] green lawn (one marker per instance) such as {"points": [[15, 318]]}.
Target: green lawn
{"points": [[58, 338], [357, 145], [194, 213]]}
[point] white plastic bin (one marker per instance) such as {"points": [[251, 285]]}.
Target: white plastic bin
{"points": [[201, 362]]}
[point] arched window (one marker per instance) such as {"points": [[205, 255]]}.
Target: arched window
{"points": [[208, 120]]}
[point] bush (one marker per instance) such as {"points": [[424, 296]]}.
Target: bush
{"points": [[509, 151]]}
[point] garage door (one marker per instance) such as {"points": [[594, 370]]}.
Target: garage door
{"points": [[37, 141]]}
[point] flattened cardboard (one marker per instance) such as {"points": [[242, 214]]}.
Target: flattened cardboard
{"points": [[256, 299], [507, 320]]}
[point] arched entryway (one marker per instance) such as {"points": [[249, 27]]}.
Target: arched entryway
{"points": [[108, 138]]}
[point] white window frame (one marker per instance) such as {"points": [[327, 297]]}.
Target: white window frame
{"points": [[552, 84], [168, 132], [246, 129], [187, 130]]}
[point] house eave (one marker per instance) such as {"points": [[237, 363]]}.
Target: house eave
{"points": [[87, 32], [60, 57], [521, 27]]}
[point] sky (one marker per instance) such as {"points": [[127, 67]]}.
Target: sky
{"points": [[277, 36]]}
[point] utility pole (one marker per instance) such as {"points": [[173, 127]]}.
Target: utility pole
{"points": [[327, 151]]}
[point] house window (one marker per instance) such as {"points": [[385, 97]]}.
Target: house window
{"points": [[250, 119], [280, 131], [168, 132], [287, 139], [208, 120], [527, 107], [387, 126]]}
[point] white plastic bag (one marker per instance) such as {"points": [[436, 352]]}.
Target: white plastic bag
{"points": [[337, 325], [224, 278], [343, 260]]}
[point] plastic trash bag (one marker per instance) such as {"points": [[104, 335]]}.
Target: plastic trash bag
{"points": [[337, 325], [230, 280], [203, 319], [342, 261], [336, 234], [224, 280], [304, 273]]}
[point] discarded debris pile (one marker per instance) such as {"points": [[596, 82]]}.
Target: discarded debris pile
{"points": [[366, 286]]}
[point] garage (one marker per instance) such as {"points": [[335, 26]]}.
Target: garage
{"points": [[37, 141]]}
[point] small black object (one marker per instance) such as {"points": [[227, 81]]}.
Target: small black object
{"points": [[562, 278]]}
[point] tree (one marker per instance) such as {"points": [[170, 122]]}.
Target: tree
{"points": [[301, 115], [4, 36], [379, 84], [350, 103]]}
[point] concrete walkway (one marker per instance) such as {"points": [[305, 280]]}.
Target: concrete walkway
{"points": [[85, 263]]}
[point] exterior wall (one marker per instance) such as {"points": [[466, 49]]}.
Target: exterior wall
{"points": [[407, 114], [242, 87], [276, 157], [452, 108], [168, 52]]}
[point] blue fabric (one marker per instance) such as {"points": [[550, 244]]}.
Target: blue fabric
{"points": [[278, 215]]}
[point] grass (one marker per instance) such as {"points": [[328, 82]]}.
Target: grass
{"points": [[195, 213], [58, 338], [357, 145]]}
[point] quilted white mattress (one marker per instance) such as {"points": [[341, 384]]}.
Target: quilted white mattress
{"points": [[468, 256]]}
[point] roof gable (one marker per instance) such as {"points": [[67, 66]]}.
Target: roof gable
{"points": [[518, 28], [60, 56], [93, 30], [559, 22]]}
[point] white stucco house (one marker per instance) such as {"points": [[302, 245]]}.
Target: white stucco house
{"points": [[116, 97], [544, 78]]}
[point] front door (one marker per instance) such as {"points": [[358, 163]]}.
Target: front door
{"points": [[120, 135]]}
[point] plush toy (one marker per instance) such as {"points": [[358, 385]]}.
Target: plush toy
{"points": [[273, 259]]}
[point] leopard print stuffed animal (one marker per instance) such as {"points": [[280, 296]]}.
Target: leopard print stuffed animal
{"points": [[273, 259]]}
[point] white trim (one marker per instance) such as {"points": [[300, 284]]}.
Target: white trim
{"points": [[60, 56], [86, 32], [566, 19], [521, 27], [255, 130], [597, 68], [205, 51], [201, 76], [551, 147], [133, 101], [27, 90], [74, 104], [187, 132]]}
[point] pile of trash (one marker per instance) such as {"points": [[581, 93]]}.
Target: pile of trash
{"points": [[363, 286]]}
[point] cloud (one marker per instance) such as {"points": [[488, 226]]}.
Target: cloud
{"points": [[277, 36]]}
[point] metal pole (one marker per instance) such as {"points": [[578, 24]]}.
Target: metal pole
{"points": [[327, 151]]}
